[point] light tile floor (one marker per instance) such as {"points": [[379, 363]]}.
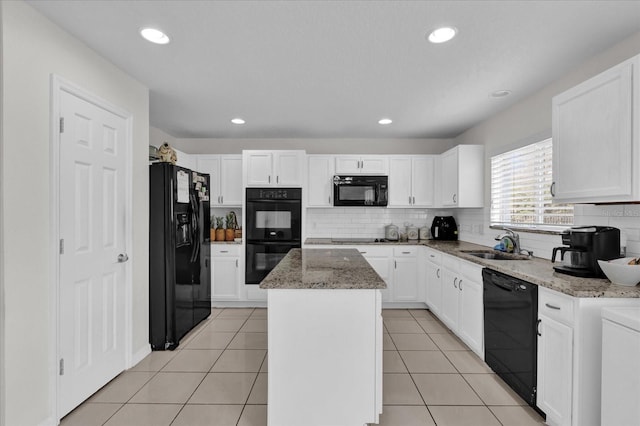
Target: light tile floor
{"points": [[218, 377]]}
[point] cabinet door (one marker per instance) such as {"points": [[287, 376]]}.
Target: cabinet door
{"points": [[231, 180], [381, 265], [471, 315], [593, 140], [555, 355], [400, 182], [449, 183], [348, 165], [287, 169], [422, 172], [405, 279], [320, 181], [450, 295], [434, 288], [374, 165], [224, 279], [210, 164], [260, 169]]}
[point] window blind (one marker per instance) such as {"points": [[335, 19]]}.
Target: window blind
{"points": [[520, 188]]}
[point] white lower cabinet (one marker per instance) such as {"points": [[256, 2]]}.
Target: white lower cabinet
{"points": [[461, 306], [380, 260], [433, 280], [405, 274], [225, 272]]}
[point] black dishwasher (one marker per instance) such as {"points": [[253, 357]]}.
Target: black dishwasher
{"points": [[510, 341]]}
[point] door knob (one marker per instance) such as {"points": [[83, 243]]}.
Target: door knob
{"points": [[122, 257]]}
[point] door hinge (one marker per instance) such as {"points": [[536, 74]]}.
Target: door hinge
{"points": [[62, 246], [61, 124], [62, 366]]}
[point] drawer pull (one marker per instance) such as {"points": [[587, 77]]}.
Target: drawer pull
{"points": [[224, 251], [432, 255], [406, 252], [363, 252], [538, 327], [438, 273], [557, 308]]}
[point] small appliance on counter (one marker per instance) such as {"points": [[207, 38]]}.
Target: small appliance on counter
{"points": [[584, 246], [391, 232], [444, 228]]}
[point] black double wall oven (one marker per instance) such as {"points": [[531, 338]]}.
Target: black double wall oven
{"points": [[273, 227]]}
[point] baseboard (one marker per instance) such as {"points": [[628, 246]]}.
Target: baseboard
{"points": [[49, 421], [140, 355], [237, 304], [404, 305]]}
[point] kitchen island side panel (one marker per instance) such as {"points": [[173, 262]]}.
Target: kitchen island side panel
{"points": [[325, 357]]}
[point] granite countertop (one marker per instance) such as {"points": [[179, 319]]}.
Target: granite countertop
{"points": [[322, 268], [535, 270]]}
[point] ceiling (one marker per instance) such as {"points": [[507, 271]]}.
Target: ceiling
{"points": [[332, 69]]}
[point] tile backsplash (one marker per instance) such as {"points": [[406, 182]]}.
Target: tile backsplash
{"points": [[363, 222], [474, 227]]}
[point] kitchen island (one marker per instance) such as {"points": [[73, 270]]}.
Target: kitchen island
{"points": [[325, 339]]}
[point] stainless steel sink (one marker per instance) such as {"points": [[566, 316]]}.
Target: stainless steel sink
{"points": [[494, 255]]}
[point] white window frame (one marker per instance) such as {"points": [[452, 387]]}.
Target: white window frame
{"points": [[537, 158]]}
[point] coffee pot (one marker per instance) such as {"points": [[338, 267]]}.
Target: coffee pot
{"points": [[584, 246]]}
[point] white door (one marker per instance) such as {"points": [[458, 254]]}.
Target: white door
{"points": [[224, 280], [449, 307], [449, 177], [91, 335], [434, 287], [288, 168], [260, 169], [400, 182], [320, 182], [231, 180], [471, 314], [405, 279], [422, 181]]}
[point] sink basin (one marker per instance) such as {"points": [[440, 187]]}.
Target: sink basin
{"points": [[494, 255]]}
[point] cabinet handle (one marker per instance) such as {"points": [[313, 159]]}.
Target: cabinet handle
{"points": [[277, 178], [395, 264], [432, 255], [329, 200], [269, 179], [454, 198], [455, 282], [409, 199], [224, 251], [222, 199], [236, 263], [553, 189], [557, 308], [406, 252], [414, 201], [538, 327], [460, 285], [438, 273], [363, 252]]}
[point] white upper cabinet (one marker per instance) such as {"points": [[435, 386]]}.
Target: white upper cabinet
{"points": [[362, 165], [411, 181], [461, 176], [273, 168], [596, 138], [225, 174], [320, 180]]}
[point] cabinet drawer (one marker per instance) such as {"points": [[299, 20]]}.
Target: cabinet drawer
{"points": [[377, 251], [471, 271], [450, 262], [555, 305], [405, 251], [225, 250], [433, 256]]}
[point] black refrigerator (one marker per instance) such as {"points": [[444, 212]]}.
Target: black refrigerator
{"points": [[179, 253]]}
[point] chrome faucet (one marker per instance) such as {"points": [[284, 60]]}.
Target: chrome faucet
{"points": [[515, 241]]}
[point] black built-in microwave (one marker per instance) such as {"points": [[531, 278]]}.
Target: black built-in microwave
{"points": [[360, 190]]}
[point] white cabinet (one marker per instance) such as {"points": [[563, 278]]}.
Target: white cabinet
{"points": [[273, 168], [362, 165], [225, 174], [433, 278], [555, 354], [462, 305], [461, 176], [405, 274], [188, 161], [225, 272], [411, 181], [596, 138], [320, 180], [380, 260]]}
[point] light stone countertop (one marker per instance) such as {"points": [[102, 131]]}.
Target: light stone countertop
{"points": [[536, 270], [323, 268]]}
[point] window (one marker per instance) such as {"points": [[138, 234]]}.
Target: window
{"points": [[520, 189]]}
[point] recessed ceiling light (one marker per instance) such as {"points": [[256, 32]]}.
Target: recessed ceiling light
{"points": [[500, 93], [237, 121], [440, 35], [154, 36], [385, 121]]}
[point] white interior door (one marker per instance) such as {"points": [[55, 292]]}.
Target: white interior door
{"points": [[91, 334]]}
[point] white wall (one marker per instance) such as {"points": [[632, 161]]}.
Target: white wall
{"points": [[33, 49], [317, 146], [527, 121]]}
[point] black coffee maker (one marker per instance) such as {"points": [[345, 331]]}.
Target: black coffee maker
{"points": [[584, 246], [444, 228]]}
